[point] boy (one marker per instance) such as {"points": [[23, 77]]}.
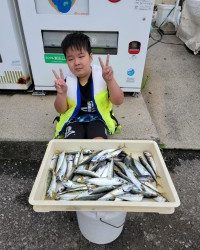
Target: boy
{"points": [[84, 98]]}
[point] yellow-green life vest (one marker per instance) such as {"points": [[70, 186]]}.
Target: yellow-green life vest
{"points": [[100, 97]]}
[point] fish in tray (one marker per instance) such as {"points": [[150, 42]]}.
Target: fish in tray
{"points": [[105, 175]]}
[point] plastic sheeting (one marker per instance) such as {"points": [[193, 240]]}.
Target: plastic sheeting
{"points": [[189, 28]]}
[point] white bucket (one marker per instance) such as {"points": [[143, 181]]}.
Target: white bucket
{"points": [[163, 12], [101, 227]]}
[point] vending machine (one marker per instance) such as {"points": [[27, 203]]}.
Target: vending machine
{"points": [[14, 65], [116, 27]]}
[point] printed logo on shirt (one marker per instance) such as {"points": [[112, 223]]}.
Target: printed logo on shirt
{"points": [[69, 131], [89, 108]]}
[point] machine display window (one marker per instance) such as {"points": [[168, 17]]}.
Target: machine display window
{"points": [[101, 42], [70, 7]]}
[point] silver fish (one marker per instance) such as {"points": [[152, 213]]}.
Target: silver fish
{"points": [[89, 197], [109, 174], [148, 192], [143, 179], [75, 195], [60, 161], [127, 160], [122, 179], [81, 167], [71, 195], [70, 168], [105, 172], [106, 181], [72, 184], [88, 158], [59, 187], [151, 186], [53, 162], [94, 166], [101, 170], [101, 189], [109, 155], [76, 177], [72, 190], [133, 179], [61, 172], [116, 192], [131, 197], [52, 188], [160, 198], [120, 165], [86, 173], [117, 199], [140, 168], [101, 154], [87, 151], [136, 190], [76, 158], [150, 160], [83, 179], [119, 173], [110, 168], [49, 178], [148, 167], [81, 157]]}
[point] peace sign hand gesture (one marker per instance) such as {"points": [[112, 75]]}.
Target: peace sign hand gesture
{"points": [[60, 84], [107, 71]]}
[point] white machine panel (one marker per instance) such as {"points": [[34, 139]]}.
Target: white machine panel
{"points": [[119, 28], [14, 69]]}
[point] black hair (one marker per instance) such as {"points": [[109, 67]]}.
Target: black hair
{"points": [[76, 40]]}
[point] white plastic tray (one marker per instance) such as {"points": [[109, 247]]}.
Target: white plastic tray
{"points": [[136, 147]]}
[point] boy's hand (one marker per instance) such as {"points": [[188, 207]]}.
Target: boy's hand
{"points": [[107, 71], [60, 84]]}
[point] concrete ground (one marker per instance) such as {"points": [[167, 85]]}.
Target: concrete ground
{"points": [[172, 94], [29, 118], [22, 228]]}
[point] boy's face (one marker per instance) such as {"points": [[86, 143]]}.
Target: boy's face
{"points": [[79, 62]]}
